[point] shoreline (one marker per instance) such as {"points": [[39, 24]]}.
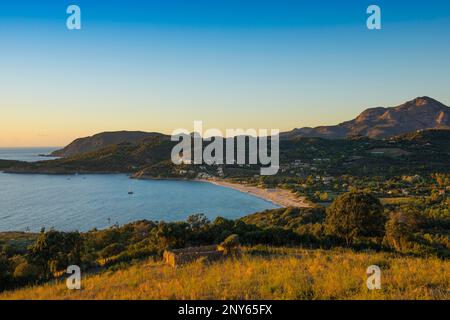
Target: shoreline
{"points": [[277, 196], [281, 197]]}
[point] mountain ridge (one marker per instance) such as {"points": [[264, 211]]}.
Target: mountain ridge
{"points": [[380, 122]]}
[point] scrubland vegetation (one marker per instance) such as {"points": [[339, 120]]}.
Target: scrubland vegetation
{"points": [[322, 253]]}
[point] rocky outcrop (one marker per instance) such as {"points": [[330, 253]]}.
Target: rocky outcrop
{"points": [[419, 114]]}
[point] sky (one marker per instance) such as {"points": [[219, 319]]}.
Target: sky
{"points": [[160, 65]]}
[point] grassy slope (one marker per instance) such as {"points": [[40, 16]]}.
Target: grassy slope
{"points": [[264, 273]]}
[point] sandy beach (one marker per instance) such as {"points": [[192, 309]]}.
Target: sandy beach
{"points": [[278, 196]]}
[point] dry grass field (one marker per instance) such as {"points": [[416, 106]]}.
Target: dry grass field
{"points": [[263, 273]]}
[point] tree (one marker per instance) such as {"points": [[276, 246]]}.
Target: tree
{"points": [[172, 235], [221, 228], [400, 229], [442, 179], [7, 250], [197, 221], [54, 251], [4, 271], [354, 214], [231, 244], [323, 196]]}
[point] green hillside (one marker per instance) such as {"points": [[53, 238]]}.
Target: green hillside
{"points": [[419, 153]]}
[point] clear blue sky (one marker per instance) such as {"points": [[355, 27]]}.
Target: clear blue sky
{"points": [[160, 65]]}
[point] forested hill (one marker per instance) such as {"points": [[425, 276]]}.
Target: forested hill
{"points": [[419, 114], [102, 140], [415, 153]]}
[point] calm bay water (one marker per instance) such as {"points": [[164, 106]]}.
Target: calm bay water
{"points": [[26, 154], [82, 202]]}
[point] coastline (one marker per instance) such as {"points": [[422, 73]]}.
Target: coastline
{"points": [[281, 197]]}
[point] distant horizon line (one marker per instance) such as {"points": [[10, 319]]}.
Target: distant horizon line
{"points": [[31, 147], [168, 134]]}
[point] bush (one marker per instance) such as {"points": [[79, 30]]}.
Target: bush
{"points": [[231, 244], [111, 250], [399, 230], [4, 271], [231, 241], [26, 272]]}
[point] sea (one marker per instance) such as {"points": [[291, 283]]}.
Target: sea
{"points": [[30, 202]]}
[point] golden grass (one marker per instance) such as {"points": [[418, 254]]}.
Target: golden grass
{"points": [[279, 273], [397, 200]]}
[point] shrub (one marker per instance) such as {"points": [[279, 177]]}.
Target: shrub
{"points": [[231, 244], [399, 230], [231, 241], [4, 271], [27, 272], [111, 250]]}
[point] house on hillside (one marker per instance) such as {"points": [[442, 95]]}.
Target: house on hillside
{"points": [[177, 257]]}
